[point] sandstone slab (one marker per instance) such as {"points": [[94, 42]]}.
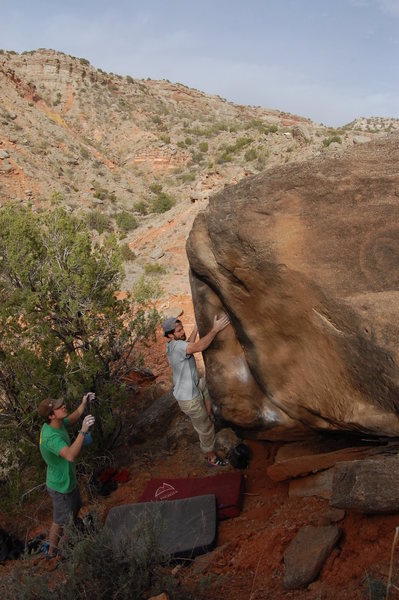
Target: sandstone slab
{"points": [[319, 485], [369, 486], [307, 553], [302, 458]]}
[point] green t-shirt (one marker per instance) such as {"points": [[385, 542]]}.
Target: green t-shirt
{"points": [[61, 474]]}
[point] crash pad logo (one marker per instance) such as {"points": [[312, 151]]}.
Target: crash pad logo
{"points": [[165, 491]]}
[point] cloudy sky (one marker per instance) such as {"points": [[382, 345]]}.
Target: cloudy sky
{"points": [[330, 60]]}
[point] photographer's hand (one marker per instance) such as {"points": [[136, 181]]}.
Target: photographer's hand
{"points": [[88, 421], [70, 453], [87, 398]]}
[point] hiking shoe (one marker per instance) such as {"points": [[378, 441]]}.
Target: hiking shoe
{"points": [[217, 462]]}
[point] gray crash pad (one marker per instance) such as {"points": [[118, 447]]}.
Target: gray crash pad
{"points": [[182, 528]]}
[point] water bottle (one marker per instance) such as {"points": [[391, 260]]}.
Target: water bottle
{"points": [[88, 439]]}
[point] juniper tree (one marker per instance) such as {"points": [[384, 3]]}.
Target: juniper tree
{"points": [[63, 328]]}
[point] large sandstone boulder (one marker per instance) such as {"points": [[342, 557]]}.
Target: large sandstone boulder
{"points": [[305, 260]]}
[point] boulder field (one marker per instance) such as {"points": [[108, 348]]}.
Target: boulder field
{"points": [[304, 259]]}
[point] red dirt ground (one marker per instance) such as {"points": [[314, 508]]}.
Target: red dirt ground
{"points": [[248, 562], [250, 565]]}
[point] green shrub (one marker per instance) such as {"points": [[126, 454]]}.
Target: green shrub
{"points": [[95, 567], [198, 131], [97, 220], [156, 119], [102, 193], [84, 61], [262, 158], [129, 79], [84, 153], [125, 221], [228, 151], [56, 198], [186, 177], [162, 203], [203, 146], [165, 138], [242, 142], [333, 138], [154, 268], [127, 253], [181, 144], [197, 157], [141, 207], [225, 157], [220, 126], [188, 141], [146, 289], [261, 126], [257, 124], [250, 154], [156, 188]]}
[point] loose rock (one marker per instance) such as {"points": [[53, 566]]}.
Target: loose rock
{"points": [[155, 420], [361, 139], [301, 133], [5, 167], [157, 254], [369, 486], [307, 553], [313, 485]]}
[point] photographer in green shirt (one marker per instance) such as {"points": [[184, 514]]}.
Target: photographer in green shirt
{"points": [[59, 455]]}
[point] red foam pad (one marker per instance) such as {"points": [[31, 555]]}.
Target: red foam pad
{"points": [[227, 487]]}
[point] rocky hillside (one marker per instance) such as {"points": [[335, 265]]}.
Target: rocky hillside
{"points": [[138, 156], [374, 124]]}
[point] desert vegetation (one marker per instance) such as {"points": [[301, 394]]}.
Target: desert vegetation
{"points": [[94, 567]]}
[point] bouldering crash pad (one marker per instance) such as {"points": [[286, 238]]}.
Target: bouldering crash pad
{"points": [[227, 487], [181, 528]]}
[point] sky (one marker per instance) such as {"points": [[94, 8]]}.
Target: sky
{"points": [[329, 60]]}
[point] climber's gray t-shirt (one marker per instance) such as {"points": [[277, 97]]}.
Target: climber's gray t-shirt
{"points": [[185, 376]]}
